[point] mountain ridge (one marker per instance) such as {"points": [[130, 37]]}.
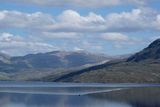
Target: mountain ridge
{"points": [[53, 60], [152, 52], [142, 67]]}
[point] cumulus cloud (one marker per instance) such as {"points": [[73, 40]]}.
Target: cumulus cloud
{"points": [[157, 22], [78, 49], [136, 20], [115, 37], [17, 45], [121, 40], [61, 35], [71, 21], [71, 16], [71, 25], [82, 45], [80, 3], [18, 19]]}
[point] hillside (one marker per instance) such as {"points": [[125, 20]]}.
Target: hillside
{"points": [[50, 60], [143, 67], [58, 66], [41, 65], [152, 52]]}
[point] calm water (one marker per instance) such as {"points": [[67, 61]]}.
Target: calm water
{"points": [[38, 94]]}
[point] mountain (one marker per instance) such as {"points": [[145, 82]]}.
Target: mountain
{"points": [[61, 66], [152, 52], [51, 60], [5, 62], [142, 67], [44, 65], [57, 59]]}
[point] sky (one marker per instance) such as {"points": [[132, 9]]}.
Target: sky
{"points": [[111, 27]]}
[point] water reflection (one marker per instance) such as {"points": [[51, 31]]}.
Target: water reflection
{"points": [[28, 100], [79, 96], [137, 97]]}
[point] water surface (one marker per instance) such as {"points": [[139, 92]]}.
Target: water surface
{"points": [[39, 94]]}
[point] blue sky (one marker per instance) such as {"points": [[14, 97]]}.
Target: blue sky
{"points": [[112, 27]]}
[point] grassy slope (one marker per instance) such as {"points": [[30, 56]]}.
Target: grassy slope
{"points": [[121, 73], [112, 72]]}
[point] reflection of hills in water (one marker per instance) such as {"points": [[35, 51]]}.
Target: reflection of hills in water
{"points": [[132, 97], [39, 94], [137, 97], [66, 88], [29, 100], [58, 91]]}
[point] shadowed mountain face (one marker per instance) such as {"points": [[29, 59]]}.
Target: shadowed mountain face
{"points": [[152, 52], [51, 60]]}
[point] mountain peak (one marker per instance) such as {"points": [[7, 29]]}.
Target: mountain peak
{"points": [[151, 52], [154, 44]]}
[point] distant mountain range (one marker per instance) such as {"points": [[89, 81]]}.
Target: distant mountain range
{"points": [[37, 66], [52, 60], [4, 59], [61, 66], [142, 67]]}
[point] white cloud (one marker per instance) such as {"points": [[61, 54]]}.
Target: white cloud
{"points": [[120, 40], [88, 45], [40, 23], [81, 3], [139, 2], [16, 19], [2, 15], [17, 45], [61, 35], [136, 20], [71, 21], [72, 25], [78, 49], [157, 22], [70, 16], [115, 37], [7, 37]]}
